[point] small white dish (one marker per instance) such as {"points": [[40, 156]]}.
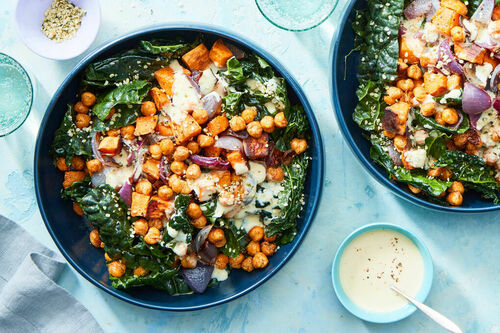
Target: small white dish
{"points": [[29, 16]]}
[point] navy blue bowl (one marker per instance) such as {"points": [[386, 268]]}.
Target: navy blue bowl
{"points": [[343, 86], [70, 232]]}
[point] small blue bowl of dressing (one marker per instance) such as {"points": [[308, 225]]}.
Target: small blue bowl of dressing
{"points": [[370, 260]]}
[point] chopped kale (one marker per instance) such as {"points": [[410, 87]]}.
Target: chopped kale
{"points": [[173, 49], [367, 113], [77, 190], [430, 123], [435, 144], [180, 220], [235, 240], [297, 127], [123, 116]]}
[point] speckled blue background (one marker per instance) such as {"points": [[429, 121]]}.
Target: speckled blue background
{"points": [[300, 298]]}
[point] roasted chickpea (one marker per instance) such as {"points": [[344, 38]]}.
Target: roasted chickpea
{"points": [[237, 123], [175, 183], [205, 141], [77, 208], [393, 94], [275, 174], [155, 151], [280, 120], [260, 260], [390, 135], [82, 120], [256, 233], [221, 261], [116, 268], [166, 146], [95, 239], [414, 190], [457, 34], [446, 174], [77, 163], [61, 164], [454, 82], [179, 168], [199, 222], [254, 129], [298, 145], [434, 172], [88, 99], [165, 192], [143, 186], [269, 239], [127, 132], [141, 227], [457, 187], [194, 210], [249, 114], [400, 142], [189, 261], [406, 85], [107, 257], [200, 116], [439, 118], [181, 154], [267, 124], [148, 108], [140, 271], [235, 262], [80, 108], [450, 116], [414, 72], [455, 198], [114, 132], [247, 264], [193, 172], [155, 223], [153, 236], [216, 236], [253, 248], [428, 109], [193, 147], [268, 248], [420, 94]]}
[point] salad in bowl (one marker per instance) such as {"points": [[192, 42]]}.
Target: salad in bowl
{"points": [[428, 94], [187, 159]]}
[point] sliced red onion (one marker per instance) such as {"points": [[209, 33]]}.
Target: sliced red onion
{"points": [[448, 59], [496, 104], [435, 6], [394, 155], [490, 44], [194, 84], [201, 237], [126, 193], [475, 100], [210, 162], [208, 253], [197, 278], [493, 79], [138, 165], [473, 118], [417, 8], [484, 11], [211, 103], [237, 52], [196, 75], [163, 168], [401, 31], [240, 134], [470, 74], [229, 143]]}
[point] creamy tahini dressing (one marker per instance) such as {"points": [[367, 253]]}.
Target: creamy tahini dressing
{"points": [[373, 262]]}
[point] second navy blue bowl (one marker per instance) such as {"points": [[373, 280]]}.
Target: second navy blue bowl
{"points": [[70, 232], [344, 83]]}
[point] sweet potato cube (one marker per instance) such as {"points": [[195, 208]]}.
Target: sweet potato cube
{"points": [[395, 117], [157, 207], [188, 129], [445, 19], [139, 204], [455, 5], [471, 53], [73, 176], [491, 60], [164, 129], [406, 164], [496, 13], [212, 151], [152, 168], [220, 54], [165, 78], [435, 83], [110, 145], [221, 177], [145, 125], [198, 58], [218, 125], [406, 52], [238, 162], [159, 97]]}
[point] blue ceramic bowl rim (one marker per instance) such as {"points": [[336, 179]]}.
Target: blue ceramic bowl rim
{"points": [[382, 178], [383, 317], [31, 88], [317, 178]]}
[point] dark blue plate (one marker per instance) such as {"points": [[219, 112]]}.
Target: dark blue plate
{"points": [[344, 84], [70, 232]]}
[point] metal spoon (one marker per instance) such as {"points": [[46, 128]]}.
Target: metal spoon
{"points": [[431, 313]]}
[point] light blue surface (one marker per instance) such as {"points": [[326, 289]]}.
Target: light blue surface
{"points": [[300, 298], [383, 317]]}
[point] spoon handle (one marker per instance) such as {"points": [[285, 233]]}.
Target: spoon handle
{"points": [[431, 313]]}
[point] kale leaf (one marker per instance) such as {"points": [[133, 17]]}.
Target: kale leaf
{"points": [[130, 93], [367, 112], [236, 240], [180, 220], [124, 115], [472, 171], [290, 199], [77, 190], [168, 280], [430, 123], [435, 143], [234, 73], [208, 209], [173, 49], [70, 141]]}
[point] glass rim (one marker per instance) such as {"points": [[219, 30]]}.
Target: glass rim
{"points": [[20, 67], [296, 30]]}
